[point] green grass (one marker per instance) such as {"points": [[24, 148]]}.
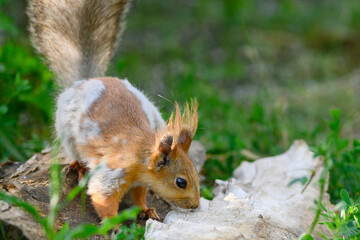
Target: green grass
{"points": [[343, 220], [264, 73]]}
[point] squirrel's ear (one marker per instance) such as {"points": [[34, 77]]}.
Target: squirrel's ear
{"points": [[165, 145], [162, 158], [185, 139]]}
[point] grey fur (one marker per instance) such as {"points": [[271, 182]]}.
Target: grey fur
{"points": [[105, 180], [77, 37]]}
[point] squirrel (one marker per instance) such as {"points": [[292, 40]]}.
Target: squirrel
{"points": [[107, 121]]}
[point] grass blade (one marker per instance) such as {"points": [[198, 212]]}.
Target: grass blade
{"points": [[345, 197], [2, 231], [83, 231], [110, 223]]}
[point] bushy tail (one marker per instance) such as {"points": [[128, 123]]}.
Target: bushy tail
{"points": [[77, 37]]}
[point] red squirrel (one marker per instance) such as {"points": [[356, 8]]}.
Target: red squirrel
{"points": [[107, 121]]}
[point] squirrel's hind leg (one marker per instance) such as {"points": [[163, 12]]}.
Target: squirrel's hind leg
{"points": [[80, 168], [138, 194]]}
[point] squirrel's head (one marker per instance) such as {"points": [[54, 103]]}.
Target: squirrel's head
{"points": [[175, 178]]}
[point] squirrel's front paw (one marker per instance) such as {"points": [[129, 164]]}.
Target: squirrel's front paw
{"points": [[115, 230], [148, 213]]}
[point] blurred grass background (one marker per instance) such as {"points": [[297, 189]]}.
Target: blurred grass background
{"points": [[264, 72]]}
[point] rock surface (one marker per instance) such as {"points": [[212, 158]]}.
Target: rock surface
{"points": [[257, 203]]}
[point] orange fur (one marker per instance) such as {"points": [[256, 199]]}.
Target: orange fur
{"points": [[127, 141], [138, 194], [106, 206]]}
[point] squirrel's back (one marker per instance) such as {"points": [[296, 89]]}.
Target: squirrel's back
{"points": [[77, 38]]}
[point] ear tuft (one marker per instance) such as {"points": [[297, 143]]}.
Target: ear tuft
{"points": [[165, 145], [184, 124], [185, 139], [178, 134]]}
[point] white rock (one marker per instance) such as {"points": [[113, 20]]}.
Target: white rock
{"points": [[256, 203]]}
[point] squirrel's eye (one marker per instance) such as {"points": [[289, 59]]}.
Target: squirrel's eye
{"points": [[181, 183]]}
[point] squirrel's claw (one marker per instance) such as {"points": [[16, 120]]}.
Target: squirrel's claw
{"points": [[112, 233], [149, 213]]}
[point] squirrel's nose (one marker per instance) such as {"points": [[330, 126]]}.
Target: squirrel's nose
{"points": [[194, 206]]}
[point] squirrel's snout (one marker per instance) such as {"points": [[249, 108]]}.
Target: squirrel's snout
{"points": [[196, 205]]}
